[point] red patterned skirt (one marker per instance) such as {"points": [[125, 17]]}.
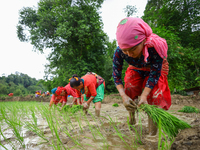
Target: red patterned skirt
{"points": [[159, 95]]}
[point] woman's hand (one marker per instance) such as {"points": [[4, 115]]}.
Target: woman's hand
{"points": [[129, 104], [143, 100], [127, 101], [85, 105]]}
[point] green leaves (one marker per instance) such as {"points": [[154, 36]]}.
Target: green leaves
{"points": [[72, 30]]}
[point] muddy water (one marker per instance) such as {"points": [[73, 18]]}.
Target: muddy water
{"points": [[99, 134]]}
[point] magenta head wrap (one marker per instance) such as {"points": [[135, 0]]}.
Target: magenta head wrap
{"points": [[132, 31]]}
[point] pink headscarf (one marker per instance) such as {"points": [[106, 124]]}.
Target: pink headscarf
{"points": [[132, 31]]}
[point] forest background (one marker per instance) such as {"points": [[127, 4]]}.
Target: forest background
{"points": [[73, 31]]}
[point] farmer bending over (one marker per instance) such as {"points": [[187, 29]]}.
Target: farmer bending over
{"points": [[92, 85], [146, 76], [60, 95]]}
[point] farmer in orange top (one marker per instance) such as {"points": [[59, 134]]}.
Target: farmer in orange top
{"points": [[92, 85], [60, 95]]}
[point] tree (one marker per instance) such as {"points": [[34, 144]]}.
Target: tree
{"points": [[178, 21], [110, 86], [182, 15], [20, 83], [72, 30], [3, 89], [18, 92]]}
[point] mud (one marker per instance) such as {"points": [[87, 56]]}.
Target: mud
{"points": [[108, 136]]}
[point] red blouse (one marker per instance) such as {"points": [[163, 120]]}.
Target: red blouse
{"points": [[90, 86]]}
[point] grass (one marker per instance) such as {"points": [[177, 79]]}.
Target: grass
{"points": [[68, 125]]}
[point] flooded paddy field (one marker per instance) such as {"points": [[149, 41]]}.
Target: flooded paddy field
{"points": [[29, 125]]}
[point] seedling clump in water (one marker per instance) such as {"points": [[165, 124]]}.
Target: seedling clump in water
{"points": [[72, 109], [115, 105], [189, 109]]}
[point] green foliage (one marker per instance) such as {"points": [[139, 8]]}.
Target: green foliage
{"points": [[183, 93], [19, 84], [183, 15], [73, 30], [115, 105], [3, 88], [73, 109], [178, 22], [184, 63], [18, 92], [59, 104], [110, 86], [189, 109], [2, 97]]}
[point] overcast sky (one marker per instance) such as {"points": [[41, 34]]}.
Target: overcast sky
{"points": [[19, 56]]}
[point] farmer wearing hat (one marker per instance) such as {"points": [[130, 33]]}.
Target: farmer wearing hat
{"points": [[60, 95], [146, 76]]}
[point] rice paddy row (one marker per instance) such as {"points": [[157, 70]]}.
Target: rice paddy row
{"points": [[55, 129]]}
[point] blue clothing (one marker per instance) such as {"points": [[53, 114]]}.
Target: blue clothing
{"points": [[53, 90]]}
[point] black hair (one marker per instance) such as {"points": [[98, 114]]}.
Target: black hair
{"points": [[75, 81]]}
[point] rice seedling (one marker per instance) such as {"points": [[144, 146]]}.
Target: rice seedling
{"points": [[121, 135], [115, 105], [163, 144], [98, 130], [69, 123], [34, 117], [138, 135], [16, 131], [169, 123], [73, 109], [7, 140], [90, 127], [189, 109]]}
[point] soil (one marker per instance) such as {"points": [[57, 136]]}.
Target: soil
{"points": [[187, 139]]}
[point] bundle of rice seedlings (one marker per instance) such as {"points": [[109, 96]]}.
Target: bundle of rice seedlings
{"points": [[76, 108], [189, 109], [66, 108], [72, 109], [170, 124], [115, 105]]}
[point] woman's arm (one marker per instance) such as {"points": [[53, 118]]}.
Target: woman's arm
{"points": [[143, 97], [92, 88], [74, 99]]}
